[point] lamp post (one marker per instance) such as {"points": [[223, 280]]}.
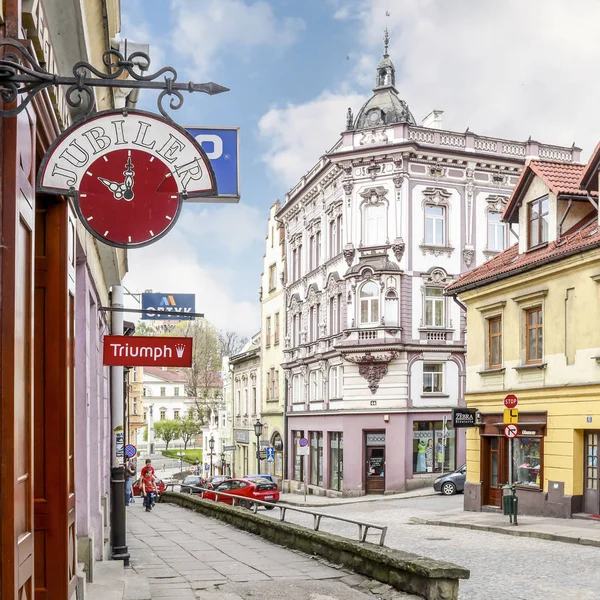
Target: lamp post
{"points": [[223, 462], [258, 429], [198, 471], [211, 445], [180, 454]]}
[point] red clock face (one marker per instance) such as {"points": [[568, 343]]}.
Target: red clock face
{"points": [[128, 198]]}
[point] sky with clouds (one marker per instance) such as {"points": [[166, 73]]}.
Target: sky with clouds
{"points": [[511, 69]]}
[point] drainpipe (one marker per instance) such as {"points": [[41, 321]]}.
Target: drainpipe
{"points": [[117, 472]]}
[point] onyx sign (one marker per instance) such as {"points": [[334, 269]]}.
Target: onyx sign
{"points": [[464, 417], [129, 174]]}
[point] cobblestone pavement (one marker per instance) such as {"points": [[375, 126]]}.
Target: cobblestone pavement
{"points": [[501, 566], [187, 556]]}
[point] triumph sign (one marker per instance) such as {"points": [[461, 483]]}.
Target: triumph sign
{"points": [[148, 351], [168, 306]]}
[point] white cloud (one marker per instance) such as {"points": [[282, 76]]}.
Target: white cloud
{"points": [[212, 28], [179, 263], [298, 134]]}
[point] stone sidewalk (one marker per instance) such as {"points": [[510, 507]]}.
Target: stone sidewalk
{"points": [[570, 531], [186, 556]]}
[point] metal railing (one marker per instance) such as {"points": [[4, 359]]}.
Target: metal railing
{"points": [[252, 504]]}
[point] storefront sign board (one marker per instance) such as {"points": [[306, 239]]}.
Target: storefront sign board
{"points": [[464, 417], [128, 173], [510, 401], [511, 415], [147, 351], [168, 306], [229, 449]]}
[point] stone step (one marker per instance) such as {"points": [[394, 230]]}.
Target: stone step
{"points": [[113, 582]]}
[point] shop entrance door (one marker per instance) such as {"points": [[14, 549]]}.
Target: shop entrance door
{"points": [[494, 469], [591, 493], [375, 470]]}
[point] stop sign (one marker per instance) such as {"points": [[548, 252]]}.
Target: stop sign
{"points": [[510, 401]]}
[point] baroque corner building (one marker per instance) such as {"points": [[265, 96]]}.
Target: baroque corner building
{"points": [[374, 352], [55, 411]]}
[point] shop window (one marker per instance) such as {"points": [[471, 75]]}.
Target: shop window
{"points": [[433, 448], [527, 461], [495, 342], [316, 458], [433, 376], [298, 460], [336, 461], [533, 335]]}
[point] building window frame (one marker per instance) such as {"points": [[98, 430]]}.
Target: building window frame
{"points": [[496, 232], [276, 329], [433, 378], [336, 461], [433, 298], [435, 224], [163, 391], [335, 381], [535, 332], [297, 462], [316, 458], [369, 306], [428, 458], [268, 331], [538, 211], [494, 335], [272, 277]]}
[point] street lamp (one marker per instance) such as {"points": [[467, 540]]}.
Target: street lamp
{"points": [[258, 429], [211, 445], [223, 462], [198, 471]]}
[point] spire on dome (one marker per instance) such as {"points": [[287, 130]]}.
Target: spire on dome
{"points": [[386, 42]]}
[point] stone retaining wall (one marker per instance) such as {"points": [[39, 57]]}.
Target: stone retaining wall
{"points": [[431, 579]]}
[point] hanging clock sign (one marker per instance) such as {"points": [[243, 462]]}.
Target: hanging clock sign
{"points": [[129, 173]]}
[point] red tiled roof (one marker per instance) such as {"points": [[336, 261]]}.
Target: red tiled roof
{"points": [[583, 236], [588, 179], [560, 177]]}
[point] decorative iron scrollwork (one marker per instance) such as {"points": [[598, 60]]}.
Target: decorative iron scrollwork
{"points": [[22, 78]]}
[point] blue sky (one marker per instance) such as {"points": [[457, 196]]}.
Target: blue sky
{"points": [[507, 69]]}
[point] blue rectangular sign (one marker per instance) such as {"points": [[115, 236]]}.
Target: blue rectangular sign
{"points": [[170, 306], [222, 146]]}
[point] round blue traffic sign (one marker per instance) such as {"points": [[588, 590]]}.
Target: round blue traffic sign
{"points": [[130, 451], [303, 442]]}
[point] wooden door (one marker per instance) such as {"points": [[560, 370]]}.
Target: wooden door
{"points": [[375, 470], [55, 559], [494, 467], [17, 179], [591, 492]]}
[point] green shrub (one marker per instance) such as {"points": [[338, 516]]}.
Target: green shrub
{"points": [[189, 456]]}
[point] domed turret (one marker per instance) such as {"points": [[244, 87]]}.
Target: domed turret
{"points": [[385, 106]]}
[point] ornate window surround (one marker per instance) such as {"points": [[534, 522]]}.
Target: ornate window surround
{"points": [[435, 196], [374, 196], [436, 277]]}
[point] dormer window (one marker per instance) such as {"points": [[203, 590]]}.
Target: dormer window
{"points": [[537, 220]]}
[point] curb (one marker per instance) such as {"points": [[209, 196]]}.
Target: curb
{"points": [[550, 537], [357, 501]]}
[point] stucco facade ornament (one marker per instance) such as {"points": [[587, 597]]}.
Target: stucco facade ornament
{"points": [[398, 162], [436, 276], [374, 195], [349, 253], [348, 187], [346, 166], [398, 180], [398, 248], [373, 137], [499, 179], [436, 195], [496, 203], [437, 171], [372, 367], [468, 255], [373, 169]]}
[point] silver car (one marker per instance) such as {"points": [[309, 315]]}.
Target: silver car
{"points": [[450, 483]]}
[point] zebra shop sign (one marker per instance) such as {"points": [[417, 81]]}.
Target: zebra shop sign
{"points": [[128, 351]]}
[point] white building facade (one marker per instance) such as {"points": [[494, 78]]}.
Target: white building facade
{"points": [[374, 352]]}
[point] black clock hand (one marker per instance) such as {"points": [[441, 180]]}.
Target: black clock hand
{"points": [[129, 181], [113, 186]]}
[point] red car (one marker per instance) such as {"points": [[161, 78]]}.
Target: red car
{"points": [[248, 490], [137, 487]]}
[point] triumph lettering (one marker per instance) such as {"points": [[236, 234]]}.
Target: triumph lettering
{"points": [[125, 351]]}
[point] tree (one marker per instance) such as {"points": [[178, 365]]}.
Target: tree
{"points": [[167, 431], [190, 428], [143, 328], [230, 343]]}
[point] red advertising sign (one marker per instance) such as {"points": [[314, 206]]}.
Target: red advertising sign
{"points": [[510, 401], [128, 351]]}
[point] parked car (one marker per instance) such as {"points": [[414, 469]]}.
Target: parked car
{"points": [[137, 487], [450, 483], [261, 476], [190, 483], [216, 480], [248, 490]]}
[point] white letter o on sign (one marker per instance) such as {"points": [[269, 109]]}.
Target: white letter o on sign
{"points": [[217, 143]]}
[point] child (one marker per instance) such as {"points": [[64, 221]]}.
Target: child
{"points": [[148, 489]]}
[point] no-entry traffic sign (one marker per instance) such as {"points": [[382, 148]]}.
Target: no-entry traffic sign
{"points": [[511, 431], [510, 401]]}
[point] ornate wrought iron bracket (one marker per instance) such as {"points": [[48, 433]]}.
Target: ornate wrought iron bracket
{"points": [[21, 77]]}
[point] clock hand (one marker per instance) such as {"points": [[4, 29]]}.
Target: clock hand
{"points": [[113, 186], [128, 183]]}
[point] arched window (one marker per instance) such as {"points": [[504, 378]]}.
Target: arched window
{"points": [[391, 308], [369, 303]]}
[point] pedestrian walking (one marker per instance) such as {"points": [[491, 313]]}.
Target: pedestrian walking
{"points": [[147, 467], [149, 490], [130, 473]]}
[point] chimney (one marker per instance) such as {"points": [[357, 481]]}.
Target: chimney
{"points": [[433, 120]]}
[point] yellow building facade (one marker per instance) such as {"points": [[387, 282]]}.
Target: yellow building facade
{"points": [[533, 323]]}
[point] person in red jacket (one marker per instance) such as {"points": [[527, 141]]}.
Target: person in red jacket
{"points": [[147, 467], [148, 489]]}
